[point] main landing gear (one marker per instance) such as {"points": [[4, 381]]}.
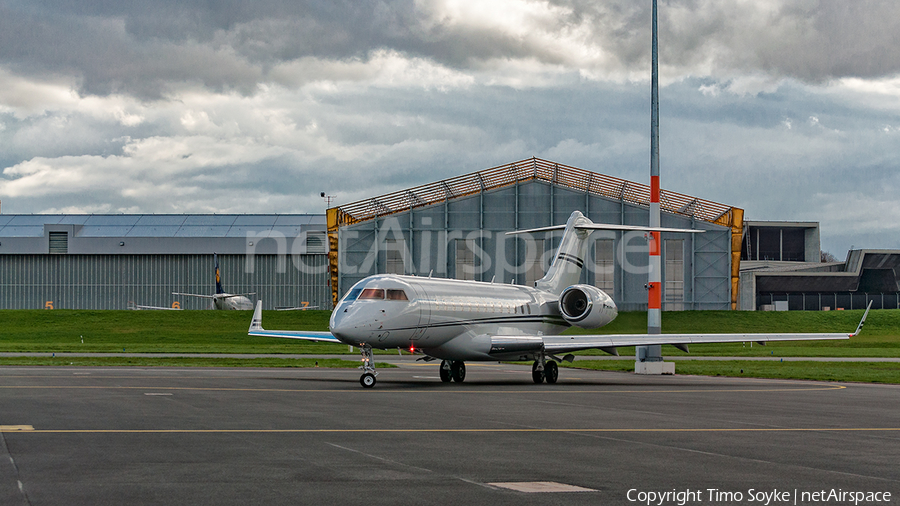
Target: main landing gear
{"points": [[367, 380], [544, 369], [453, 370]]}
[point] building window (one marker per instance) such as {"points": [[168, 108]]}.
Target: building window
{"points": [[605, 265], [674, 275], [465, 259], [59, 243]]}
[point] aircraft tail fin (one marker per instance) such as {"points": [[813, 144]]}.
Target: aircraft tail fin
{"points": [[256, 322], [565, 270], [569, 259], [218, 275]]}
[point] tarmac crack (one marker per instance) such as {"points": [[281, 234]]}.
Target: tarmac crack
{"points": [[15, 468], [394, 462]]}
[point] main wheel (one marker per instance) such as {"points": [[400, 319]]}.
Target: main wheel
{"points": [[445, 371], [458, 371], [551, 372], [367, 380], [536, 375]]}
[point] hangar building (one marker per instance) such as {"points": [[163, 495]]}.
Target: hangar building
{"points": [[451, 228], [81, 261], [456, 228]]}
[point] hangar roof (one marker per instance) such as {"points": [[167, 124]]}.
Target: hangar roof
{"points": [[161, 225], [528, 170]]}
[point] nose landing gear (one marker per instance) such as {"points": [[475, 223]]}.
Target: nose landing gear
{"points": [[367, 380]]}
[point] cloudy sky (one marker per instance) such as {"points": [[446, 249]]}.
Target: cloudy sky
{"points": [[789, 109]]}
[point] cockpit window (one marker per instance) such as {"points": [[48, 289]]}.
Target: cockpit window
{"points": [[352, 295], [372, 293], [396, 294]]}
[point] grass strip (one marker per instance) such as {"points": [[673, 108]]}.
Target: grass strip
{"points": [[331, 363], [62, 331], [862, 372]]}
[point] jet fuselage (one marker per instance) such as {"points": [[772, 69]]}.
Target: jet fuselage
{"points": [[447, 318]]}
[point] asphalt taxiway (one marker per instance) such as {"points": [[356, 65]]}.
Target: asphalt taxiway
{"points": [[307, 436]]}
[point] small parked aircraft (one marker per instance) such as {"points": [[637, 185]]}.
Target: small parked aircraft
{"points": [[456, 320], [220, 299]]}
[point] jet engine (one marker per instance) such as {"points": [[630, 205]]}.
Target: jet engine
{"points": [[587, 306]]}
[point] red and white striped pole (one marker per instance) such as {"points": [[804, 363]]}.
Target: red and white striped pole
{"points": [[654, 293]]}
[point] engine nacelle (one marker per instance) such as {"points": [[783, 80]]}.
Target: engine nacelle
{"points": [[587, 306]]}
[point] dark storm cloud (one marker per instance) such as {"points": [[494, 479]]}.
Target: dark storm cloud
{"points": [[145, 48]]}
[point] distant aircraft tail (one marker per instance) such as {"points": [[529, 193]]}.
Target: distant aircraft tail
{"points": [[218, 275]]}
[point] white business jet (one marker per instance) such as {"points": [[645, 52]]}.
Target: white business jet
{"points": [[458, 321]]}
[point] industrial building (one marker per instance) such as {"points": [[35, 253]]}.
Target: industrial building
{"points": [[456, 228], [79, 261], [451, 228]]}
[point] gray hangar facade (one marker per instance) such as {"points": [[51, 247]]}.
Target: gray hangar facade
{"points": [[81, 261], [457, 228], [452, 228]]}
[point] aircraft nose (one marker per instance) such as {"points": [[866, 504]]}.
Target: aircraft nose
{"points": [[340, 324]]}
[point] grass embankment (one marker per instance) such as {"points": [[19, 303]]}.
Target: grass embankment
{"points": [[62, 360], [73, 331], [62, 331]]}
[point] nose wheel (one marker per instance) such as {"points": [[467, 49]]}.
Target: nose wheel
{"points": [[367, 380]]}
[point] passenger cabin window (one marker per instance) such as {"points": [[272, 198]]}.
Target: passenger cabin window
{"points": [[372, 293], [396, 295]]}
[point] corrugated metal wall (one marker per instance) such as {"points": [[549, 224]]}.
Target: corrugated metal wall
{"points": [[428, 233], [115, 281]]}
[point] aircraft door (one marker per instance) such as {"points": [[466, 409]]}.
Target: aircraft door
{"points": [[423, 307]]}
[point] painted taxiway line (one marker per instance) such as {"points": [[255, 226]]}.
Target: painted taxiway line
{"points": [[449, 390], [446, 430]]}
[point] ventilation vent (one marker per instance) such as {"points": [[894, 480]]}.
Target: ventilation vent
{"points": [[315, 243], [59, 243]]}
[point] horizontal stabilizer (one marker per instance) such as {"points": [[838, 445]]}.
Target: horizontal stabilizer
{"points": [[604, 226]]}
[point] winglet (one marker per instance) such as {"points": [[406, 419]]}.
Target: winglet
{"points": [[256, 322], [861, 322]]}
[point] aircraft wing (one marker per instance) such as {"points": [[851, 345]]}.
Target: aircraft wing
{"points": [[194, 295], [570, 343], [160, 308], [256, 329]]}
